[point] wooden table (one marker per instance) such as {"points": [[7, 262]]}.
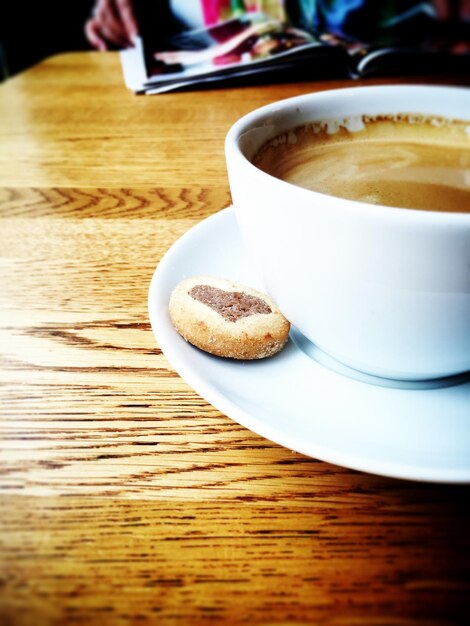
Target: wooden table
{"points": [[127, 498]]}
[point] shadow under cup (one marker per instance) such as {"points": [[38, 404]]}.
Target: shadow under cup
{"points": [[382, 290]]}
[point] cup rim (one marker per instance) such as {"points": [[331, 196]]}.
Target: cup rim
{"points": [[256, 117]]}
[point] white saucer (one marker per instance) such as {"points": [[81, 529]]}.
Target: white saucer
{"points": [[291, 399]]}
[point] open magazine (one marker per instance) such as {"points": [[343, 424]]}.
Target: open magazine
{"points": [[255, 44]]}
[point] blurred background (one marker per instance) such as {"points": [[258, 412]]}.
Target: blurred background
{"points": [[32, 30]]}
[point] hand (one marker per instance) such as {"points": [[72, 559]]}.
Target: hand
{"points": [[112, 24]]}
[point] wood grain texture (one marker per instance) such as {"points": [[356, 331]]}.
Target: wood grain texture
{"points": [[343, 560], [126, 497]]}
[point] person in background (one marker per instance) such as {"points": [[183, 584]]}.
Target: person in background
{"points": [[114, 23]]}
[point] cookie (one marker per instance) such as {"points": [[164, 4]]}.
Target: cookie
{"points": [[227, 319]]}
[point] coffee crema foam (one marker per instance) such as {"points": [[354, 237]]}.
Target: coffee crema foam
{"points": [[404, 161]]}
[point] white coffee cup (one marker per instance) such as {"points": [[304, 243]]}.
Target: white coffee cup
{"points": [[383, 290]]}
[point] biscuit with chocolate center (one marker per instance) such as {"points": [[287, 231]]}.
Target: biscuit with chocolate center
{"points": [[227, 319]]}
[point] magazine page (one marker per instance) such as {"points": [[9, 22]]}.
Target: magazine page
{"points": [[251, 38], [133, 66], [241, 46], [418, 39], [406, 41], [434, 57]]}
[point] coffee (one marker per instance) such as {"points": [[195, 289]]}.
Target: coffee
{"points": [[401, 161]]}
